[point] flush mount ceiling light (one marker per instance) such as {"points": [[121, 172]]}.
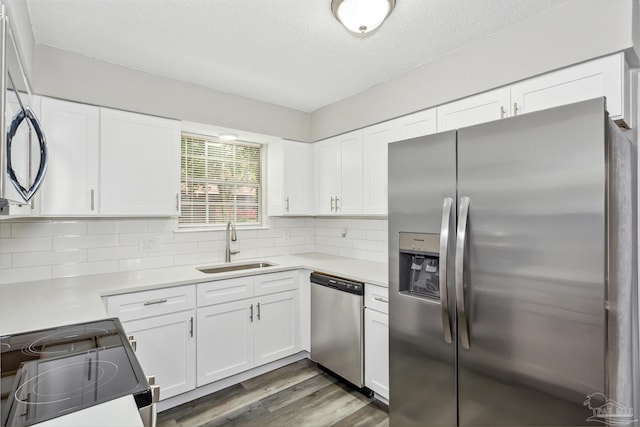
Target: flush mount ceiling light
{"points": [[362, 16], [228, 136]]}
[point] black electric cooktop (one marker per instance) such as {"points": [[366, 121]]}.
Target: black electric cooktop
{"points": [[52, 372]]}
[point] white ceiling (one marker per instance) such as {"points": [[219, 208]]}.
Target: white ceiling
{"points": [[291, 53]]}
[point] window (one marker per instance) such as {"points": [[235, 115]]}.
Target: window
{"points": [[220, 181]]}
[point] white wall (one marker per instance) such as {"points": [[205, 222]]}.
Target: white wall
{"points": [[62, 74], [568, 34], [39, 249]]}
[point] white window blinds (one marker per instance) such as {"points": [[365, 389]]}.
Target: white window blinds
{"points": [[220, 181]]}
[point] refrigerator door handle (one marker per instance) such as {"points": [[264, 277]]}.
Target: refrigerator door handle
{"points": [[463, 325], [444, 251]]}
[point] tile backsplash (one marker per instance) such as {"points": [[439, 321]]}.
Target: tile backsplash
{"points": [[36, 249]]}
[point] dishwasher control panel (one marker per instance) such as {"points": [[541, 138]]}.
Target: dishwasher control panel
{"points": [[338, 283]]}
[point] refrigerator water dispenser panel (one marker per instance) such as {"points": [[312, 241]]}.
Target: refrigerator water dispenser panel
{"points": [[419, 264]]}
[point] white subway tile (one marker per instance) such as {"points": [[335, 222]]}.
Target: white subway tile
{"points": [[25, 274], [368, 224], [302, 249], [134, 238], [217, 246], [201, 236], [328, 232], [340, 242], [83, 269], [88, 241], [245, 234], [385, 224], [321, 240], [25, 244], [338, 223], [115, 226], [356, 233], [291, 241], [5, 260], [276, 251], [48, 228], [381, 235], [174, 249], [145, 263], [245, 254], [272, 232], [116, 252], [255, 243], [370, 245], [201, 258], [5, 229], [164, 224], [310, 222], [303, 231], [27, 259], [326, 249]]}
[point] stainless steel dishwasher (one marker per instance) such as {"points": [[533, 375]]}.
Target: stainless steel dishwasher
{"points": [[337, 327]]}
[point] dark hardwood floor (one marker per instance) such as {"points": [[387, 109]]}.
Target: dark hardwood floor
{"points": [[299, 394]]}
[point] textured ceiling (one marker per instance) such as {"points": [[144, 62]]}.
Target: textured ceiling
{"points": [[286, 52]]}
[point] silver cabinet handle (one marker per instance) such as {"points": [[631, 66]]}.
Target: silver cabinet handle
{"points": [[461, 278], [384, 300], [332, 204], [337, 207], [92, 199], [251, 313], [258, 311], [156, 301], [191, 327], [503, 112], [133, 342], [444, 252], [515, 108], [287, 204]]}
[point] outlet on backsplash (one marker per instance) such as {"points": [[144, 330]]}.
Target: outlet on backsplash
{"points": [[146, 244]]}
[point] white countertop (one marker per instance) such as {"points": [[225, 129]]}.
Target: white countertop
{"points": [[48, 303]]}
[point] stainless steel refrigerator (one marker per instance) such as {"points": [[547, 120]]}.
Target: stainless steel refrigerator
{"points": [[511, 272]]}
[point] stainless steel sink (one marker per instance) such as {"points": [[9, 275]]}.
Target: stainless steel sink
{"points": [[234, 267]]}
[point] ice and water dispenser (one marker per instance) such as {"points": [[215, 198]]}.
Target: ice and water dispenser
{"points": [[420, 265]]}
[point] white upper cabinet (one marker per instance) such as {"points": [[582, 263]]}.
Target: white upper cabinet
{"points": [[414, 125], [290, 178], [339, 179], [139, 164], [71, 184], [375, 152], [351, 174], [484, 107], [607, 77], [327, 172]]}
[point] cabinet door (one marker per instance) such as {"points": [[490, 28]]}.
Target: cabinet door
{"points": [[166, 348], [351, 174], [414, 125], [327, 172], [225, 340], [601, 77], [298, 178], [485, 107], [376, 352], [277, 324], [139, 164], [375, 154], [71, 185]]}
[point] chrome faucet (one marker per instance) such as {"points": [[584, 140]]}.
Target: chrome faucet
{"points": [[231, 237]]}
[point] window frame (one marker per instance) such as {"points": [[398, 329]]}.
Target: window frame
{"points": [[262, 199]]}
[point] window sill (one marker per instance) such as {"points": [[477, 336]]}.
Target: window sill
{"points": [[207, 229]]}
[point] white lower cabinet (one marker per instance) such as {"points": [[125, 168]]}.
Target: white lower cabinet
{"points": [[236, 336], [162, 322], [376, 340], [166, 348]]}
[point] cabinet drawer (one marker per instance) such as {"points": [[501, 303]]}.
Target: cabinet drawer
{"points": [[225, 290], [138, 305], [275, 282], [376, 298]]}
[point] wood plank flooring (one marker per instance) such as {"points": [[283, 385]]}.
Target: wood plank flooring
{"points": [[299, 394]]}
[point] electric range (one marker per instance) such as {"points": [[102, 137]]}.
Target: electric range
{"points": [[52, 372]]}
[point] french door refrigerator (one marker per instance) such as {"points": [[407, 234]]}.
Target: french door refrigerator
{"points": [[511, 251]]}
